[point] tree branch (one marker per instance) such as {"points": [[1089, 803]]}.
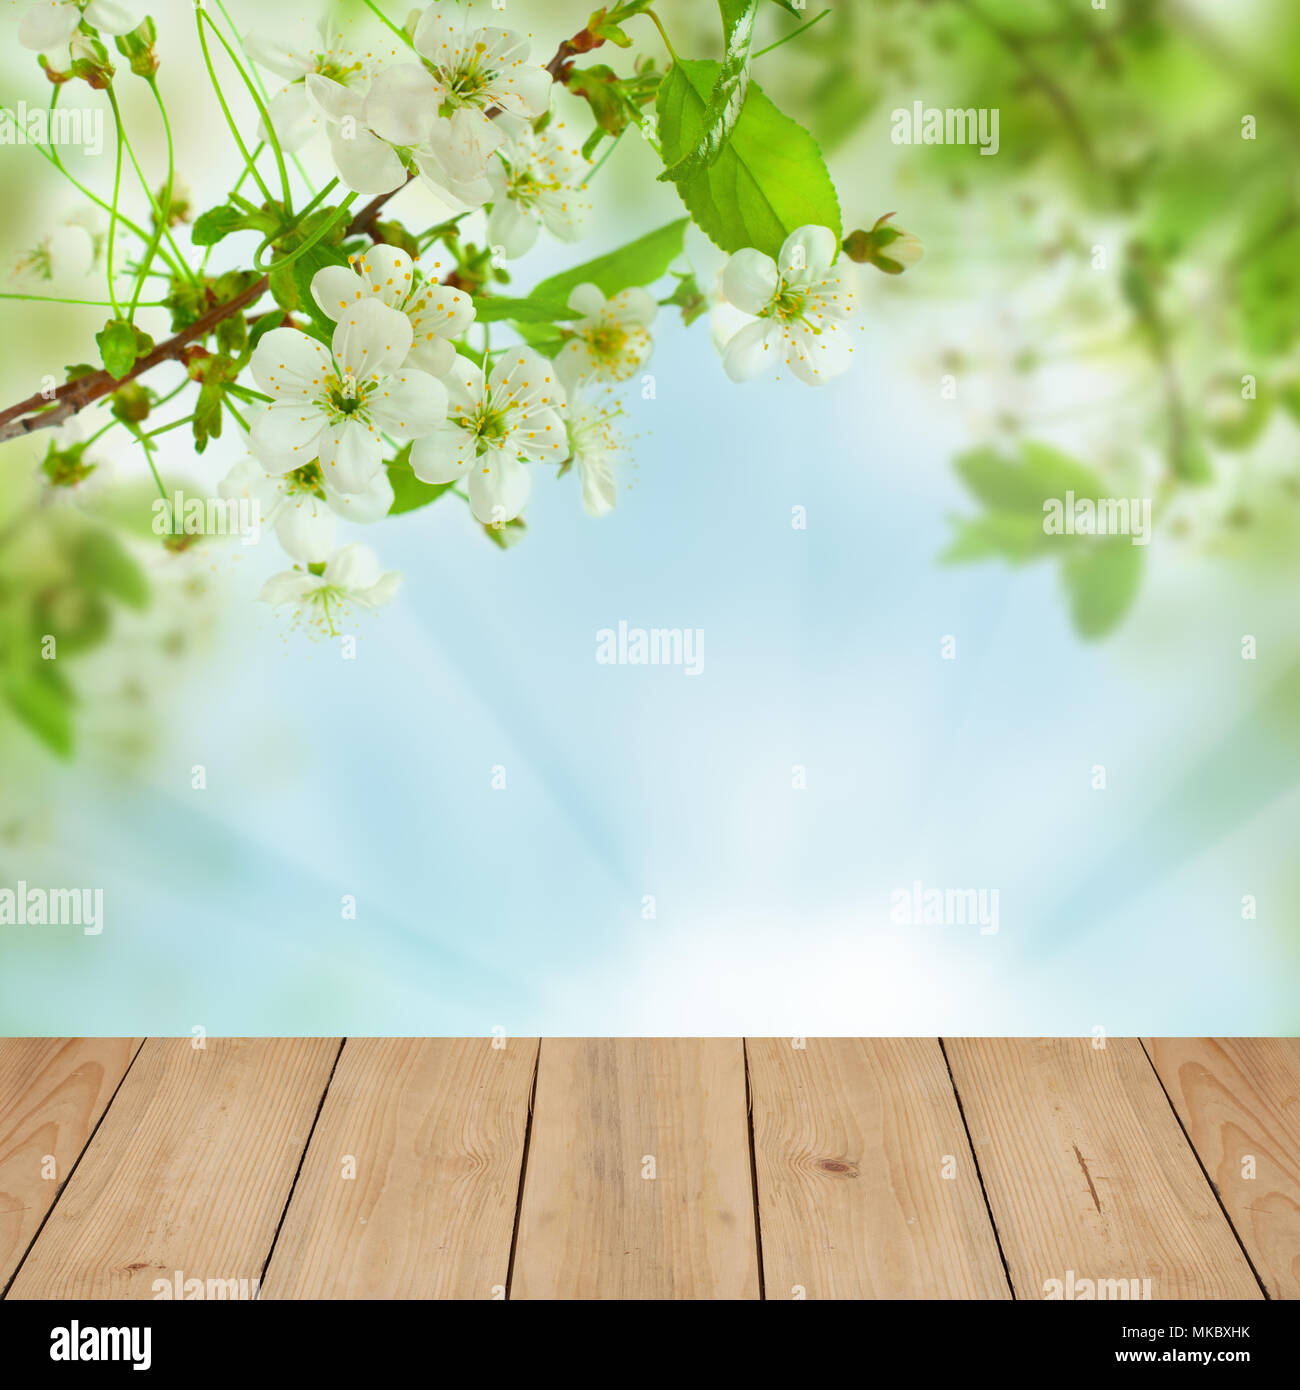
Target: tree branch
{"points": [[30, 415], [75, 396]]}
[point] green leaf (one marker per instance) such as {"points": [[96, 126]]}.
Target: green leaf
{"points": [[120, 343], [1008, 536], [728, 95], [43, 701], [769, 178], [104, 564], [409, 492], [1101, 580], [1022, 488], [535, 309], [217, 223], [640, 262]]}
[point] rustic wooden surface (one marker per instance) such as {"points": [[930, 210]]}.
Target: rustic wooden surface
{"points": [[867, 1187], [1239, 1102], [650, 1168], [638, 1181], [410, 1187]]}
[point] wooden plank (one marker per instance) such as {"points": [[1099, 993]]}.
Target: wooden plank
{"points": [[189, 1171], [867, 1187], [53, 1092], [410, 1187], [1239, 1101], [1087, 1173], [638, 1177]]}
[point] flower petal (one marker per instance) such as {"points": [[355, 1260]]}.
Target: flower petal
{"points": [[289, 364], [372, 340], [443, 455], [365, 507], [807, 252], [351, 453], [752, 350], [410, 404], [293, 117], [750, 280], [498, 487], [403, 103]]}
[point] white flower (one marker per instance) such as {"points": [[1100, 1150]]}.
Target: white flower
{"points": [[801, 305], [365, 163], [382, 273], [351, 576], [440, 105], [597, 450], [330, 407], [495, 427], [537, 182], [318, 49], [611, 339], [49, 24], [68, 253], [298, 507]]}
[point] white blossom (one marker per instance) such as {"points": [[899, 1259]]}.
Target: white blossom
{"points": [[611, 338], [330, 407], [537, 181], [351, 578], [597, 452], [801, 307], [496, 426], [51, 24], [443, 106], [436, 312]]}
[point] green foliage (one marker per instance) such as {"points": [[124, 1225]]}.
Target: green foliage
{"points": [[1100, 573], [43, 701], [409, 492], [719, 117], [1101, 581], [101, 563], [768, 178], [640, 262], [120, 343], [218, 223]]}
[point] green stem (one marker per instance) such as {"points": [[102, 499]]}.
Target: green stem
{"points": [[322, 231], [160, 222], [267, 123], [379, 14], [144, 183], [200, 16], [96, 303], [113, 214], [793, 34]]}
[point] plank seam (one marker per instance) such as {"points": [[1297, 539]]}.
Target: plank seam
{"points": [[1160, 1081], [523, 1170], [63, 1186], [297, 1172], [753, 1173], [970, 1142]]}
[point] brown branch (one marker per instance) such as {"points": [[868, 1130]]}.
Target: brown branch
{"points": [[76, 395]]}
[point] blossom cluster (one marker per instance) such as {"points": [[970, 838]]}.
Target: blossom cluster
{"points": [[466, 109]]}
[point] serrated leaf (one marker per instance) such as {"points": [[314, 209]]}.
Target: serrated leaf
{"points": [[640, 262], [218, 223], [728, 95], [769, 178]]}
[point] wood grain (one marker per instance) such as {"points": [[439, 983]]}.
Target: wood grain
{"points": [[53, 1092], [867, 1187], [594, 1224], [1087, 1172], [1239, 1101], [189, 1171], [434, 1131]]}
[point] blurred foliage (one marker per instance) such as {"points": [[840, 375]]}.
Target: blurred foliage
{"points": [[1162, 132]]}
